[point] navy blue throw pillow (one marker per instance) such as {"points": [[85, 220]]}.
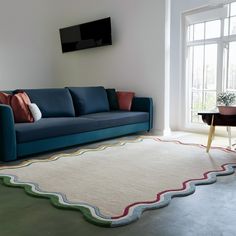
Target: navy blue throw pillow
{"points": [[89, 99], [112, 99]]}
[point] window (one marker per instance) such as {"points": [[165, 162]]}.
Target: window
{"points": [[210, 58]]}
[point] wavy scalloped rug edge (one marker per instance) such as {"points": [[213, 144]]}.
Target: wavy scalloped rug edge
{"points": [[133, 211]]}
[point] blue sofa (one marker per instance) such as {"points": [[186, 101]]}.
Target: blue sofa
{"points": [[71, 116]]}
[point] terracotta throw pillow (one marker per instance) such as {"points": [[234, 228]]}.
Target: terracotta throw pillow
{"points": [[19, 103], [125, 100], [5, 98]]}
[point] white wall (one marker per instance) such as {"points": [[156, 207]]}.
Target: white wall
{"points": [[26, 45], [30, 51]]}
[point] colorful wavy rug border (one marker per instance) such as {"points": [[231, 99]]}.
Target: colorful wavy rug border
{"points": [[133, 211]]}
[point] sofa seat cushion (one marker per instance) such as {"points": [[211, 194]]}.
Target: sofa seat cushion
{"points": [[55, 102], [117, 118], [89, 100], [54, 127]]}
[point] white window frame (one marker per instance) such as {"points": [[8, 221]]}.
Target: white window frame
{"points": [[186, 96]]}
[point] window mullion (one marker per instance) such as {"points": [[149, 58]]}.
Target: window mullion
{"points": [[204, 69], [201, 42], [220, 54], [227, 59], [192, 80], [227, 68]]}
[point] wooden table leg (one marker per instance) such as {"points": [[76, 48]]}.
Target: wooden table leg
{"points": [[210, 134]]}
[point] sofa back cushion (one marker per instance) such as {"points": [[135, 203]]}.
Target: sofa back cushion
{"points": [[55, 102], [89, 99]]}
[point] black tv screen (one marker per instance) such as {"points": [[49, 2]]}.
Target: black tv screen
{"points": [[88, 35]]}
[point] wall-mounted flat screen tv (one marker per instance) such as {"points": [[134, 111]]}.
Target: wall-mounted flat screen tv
{"points": [[88, 35]]}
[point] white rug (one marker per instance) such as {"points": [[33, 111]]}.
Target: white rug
{"points": [[113, 184]]}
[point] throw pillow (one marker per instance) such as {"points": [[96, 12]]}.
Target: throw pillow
{"points": [[36, 113], [5, 98], [89, 99], [125, 100], [112, 99], [19, 104]]}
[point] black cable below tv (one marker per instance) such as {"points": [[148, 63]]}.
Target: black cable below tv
{"points": [[88, 35]]}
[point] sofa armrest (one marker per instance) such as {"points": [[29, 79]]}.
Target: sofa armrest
{"points": [[7, 134], [144, 104]]}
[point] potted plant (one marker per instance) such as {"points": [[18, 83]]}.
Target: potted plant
{"points": [[225, 101]]}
